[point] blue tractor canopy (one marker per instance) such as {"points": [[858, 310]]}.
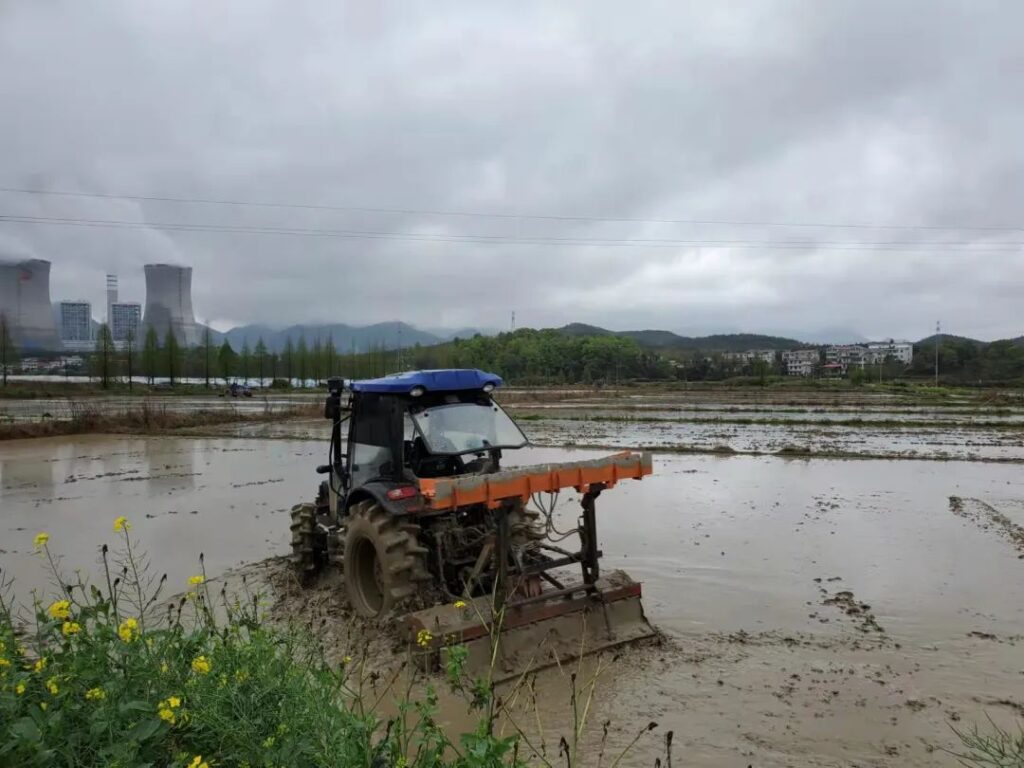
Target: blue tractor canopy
{"points": [[420, 382]]}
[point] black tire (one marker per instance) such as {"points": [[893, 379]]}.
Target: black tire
{"points": [[384, 562], [304, 555]]}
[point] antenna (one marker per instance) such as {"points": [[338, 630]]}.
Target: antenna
{"points": [[513, 327]]}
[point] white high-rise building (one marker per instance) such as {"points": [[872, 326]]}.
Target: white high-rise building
{"points": [[125, 319], [76, 325]]}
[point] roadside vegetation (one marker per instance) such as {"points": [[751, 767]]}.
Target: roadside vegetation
{"points": [[140, 418], [120, 675]]}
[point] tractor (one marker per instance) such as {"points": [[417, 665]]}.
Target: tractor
{"points": [[429, 528]]}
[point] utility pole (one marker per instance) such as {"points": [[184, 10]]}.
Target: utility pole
{"points": [[938, 330], [513, 326]]}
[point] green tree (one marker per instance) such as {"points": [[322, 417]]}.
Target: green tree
{"points": [[172, 357], [245, 361], [316, 360], [226, 357], [302, 360], [330, 358], [103, 357], [150, 354], [289, 360], [261, 358], [207, 354], [129, 355], [8, 349]]}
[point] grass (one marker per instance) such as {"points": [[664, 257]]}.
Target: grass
{"points": [[144, 418], [991, 747], [119, 675]]}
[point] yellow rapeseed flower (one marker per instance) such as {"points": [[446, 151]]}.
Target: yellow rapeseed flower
{"points": [[241, 675], [121, 524], [41, 539], [163, 668], [4, 662], [174, 702], [195, 580], [423, 638], [71, 628], [347, 660], [19, 689], [198, 762], [60, 609], [42, 705], [460, 603], [51, 686], [95, 694], [128, 630], [201, 665], [40, 664], [167, 715]]}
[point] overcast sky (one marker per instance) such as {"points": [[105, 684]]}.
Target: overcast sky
{"points": [[638, 118]]}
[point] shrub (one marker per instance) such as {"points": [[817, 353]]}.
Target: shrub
{"points": [[111, 677]]}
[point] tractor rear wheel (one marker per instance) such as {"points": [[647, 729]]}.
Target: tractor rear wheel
{"points": [[304, 555], [384, 563]]}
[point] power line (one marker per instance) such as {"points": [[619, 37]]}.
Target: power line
{"points": [[514, 216], [477, 239]]}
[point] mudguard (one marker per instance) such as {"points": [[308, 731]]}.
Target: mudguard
{"points": [[410, 502]]}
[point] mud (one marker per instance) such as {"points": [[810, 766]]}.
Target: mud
{"points": [[814, 612], [990, 519]]}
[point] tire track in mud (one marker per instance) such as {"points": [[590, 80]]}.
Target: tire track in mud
{"points": [[989, 518]]}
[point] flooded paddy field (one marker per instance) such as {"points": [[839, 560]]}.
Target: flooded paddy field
{"points": [[66, 408], [815, 612]]}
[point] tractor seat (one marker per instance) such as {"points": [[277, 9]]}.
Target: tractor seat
{"points": [[425, 464]]}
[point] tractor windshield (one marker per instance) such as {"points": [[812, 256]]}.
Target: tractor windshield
{"points": [[467, 428]]}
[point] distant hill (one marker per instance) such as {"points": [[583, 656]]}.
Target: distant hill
{"points": [[667, 340], [346, 338], [949, 337]]}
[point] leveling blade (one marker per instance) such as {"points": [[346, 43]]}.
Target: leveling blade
{"points": [[532, 633]]}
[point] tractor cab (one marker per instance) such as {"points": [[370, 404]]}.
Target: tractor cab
{"points": [[423, 424]]}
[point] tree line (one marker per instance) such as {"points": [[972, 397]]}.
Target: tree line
{"points": [[546, 356], [299, 363]]}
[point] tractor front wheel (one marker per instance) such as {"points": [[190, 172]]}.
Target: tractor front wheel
{"points": [[384, 562]]}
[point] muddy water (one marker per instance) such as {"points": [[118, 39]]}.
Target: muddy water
{"points": [[816, 612], [899, 442]]}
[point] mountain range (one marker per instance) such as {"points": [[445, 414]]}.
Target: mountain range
{"points": [[391, 335], [346, 338]]}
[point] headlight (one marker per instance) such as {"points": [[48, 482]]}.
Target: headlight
{"points": [[489, 387], [417, 391]]}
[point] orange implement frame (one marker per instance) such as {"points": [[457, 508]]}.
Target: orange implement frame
{"points": [[452, 492]]}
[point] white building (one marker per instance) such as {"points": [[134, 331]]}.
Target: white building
{"points": [[125, 319], [750, 356], [901, 351], [846, 356], [76, 325], [801, 362]]}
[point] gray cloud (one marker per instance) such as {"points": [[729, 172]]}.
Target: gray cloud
{"points": [[799, 112]]}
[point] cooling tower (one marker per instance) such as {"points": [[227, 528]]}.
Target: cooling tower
{"points": [[25, 302], [169, 303]]}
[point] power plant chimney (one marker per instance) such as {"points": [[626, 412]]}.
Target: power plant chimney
{"points": [[169, 303], [25, 303]]}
